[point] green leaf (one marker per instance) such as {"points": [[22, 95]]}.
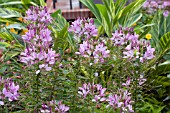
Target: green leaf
{"points": [[90, 4], [105, 19], [25, 2], [16, 26], [133, 20], [160, 27], [61, 39], [6, 36], [11, 3], [3, 69], [42, 3], [165, 43], [61, 22], [132, 6], [8, 13], [4, 44]]}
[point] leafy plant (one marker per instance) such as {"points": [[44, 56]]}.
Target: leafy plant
{"points": [[112, 14]]}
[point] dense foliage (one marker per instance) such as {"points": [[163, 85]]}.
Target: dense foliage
{"points": [[117, 62]]}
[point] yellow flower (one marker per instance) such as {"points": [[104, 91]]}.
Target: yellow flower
{"points": [[21, 19], [134, 24], [148, 36], [13, 31], [24, 31], [7, 24]]}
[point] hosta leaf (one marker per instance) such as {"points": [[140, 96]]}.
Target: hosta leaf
{"points": [[8, 13]]}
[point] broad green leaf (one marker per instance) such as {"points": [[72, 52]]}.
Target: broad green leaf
{"points": [[11, 3], [132, 6], [60, 21], [61, 39], [165, 43], [8, 13], [25, 2], [4, 44], [16, 26], [6, 36], [133, 20], [119, 5], [110, 6], [105, 19], [3, 69], [160, 27], [90, 4], [162, 68], [42, 3]]}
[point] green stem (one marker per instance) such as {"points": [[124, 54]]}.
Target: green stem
{"points": [[37, 91]]}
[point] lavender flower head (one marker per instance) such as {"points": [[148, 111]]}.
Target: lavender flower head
{"points": [[132, 47], [9, 91], [84, 27], [100, 53], [62, 108], [38, 40], [53, 107], [152, 6], [95, 90], [97, 53]]}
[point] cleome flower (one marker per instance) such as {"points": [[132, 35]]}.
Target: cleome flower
{"points": [[53, 107], [38, 40], [133, 48], [9, 91], [84, 27], [121, 101]]}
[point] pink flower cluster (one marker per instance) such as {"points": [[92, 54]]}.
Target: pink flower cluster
{"points": [[133, 48], [39, 14], [121, 101], [48, 108], [84, 27], [97, 53], [9, 91], [152, 5], [95, 90], [38, 40], [89, 48]]}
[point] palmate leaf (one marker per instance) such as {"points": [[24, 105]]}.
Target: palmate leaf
{"points": [[8, 13]]}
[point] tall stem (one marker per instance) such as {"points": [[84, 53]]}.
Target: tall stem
{"points": [[37, 91], [136, 84]]}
